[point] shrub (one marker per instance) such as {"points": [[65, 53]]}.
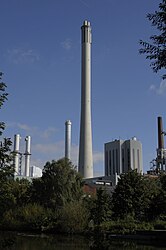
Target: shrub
{"points": [[125, 226], [160, 224], [28, 217], [73, 218]]}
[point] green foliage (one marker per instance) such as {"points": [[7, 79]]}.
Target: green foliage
{"points": [[21, 191], [133, 195], [101, 207], [3, 95], [5, 155], [160, 224], [59, 184], [13, 193], [157, 50], [125, 226], [157, 207], [5, 144], [29, 217], [74, 217], [163, 181], [7, 199]]}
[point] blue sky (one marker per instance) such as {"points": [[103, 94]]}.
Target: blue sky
{"points": [[40, 55]]}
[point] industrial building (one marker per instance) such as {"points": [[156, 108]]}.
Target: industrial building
{"points": [[35, 172], [158, 164], [122, 156]]}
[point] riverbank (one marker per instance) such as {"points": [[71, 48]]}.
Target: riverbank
{"points": [[142, 235]]}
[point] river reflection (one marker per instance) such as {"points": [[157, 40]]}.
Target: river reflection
{"points": [[20, 241]]}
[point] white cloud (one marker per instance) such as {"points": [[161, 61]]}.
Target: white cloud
{"points": [[20, 126], [67, 44], [84, 3], [49, 148], [152, 87], [21, 56], [43, 152], [37, 162], [98, 157], [162, 88], [159, 90], [74, 154], [32, 130], [48, 132], [24, 127]]}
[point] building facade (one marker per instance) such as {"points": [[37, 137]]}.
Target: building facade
{"points": [[122, 156], [35, 172]]}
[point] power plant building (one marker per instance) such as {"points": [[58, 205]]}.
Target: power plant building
{"points": [[35, 172], [122, 156]]}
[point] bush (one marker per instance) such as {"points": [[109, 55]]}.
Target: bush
{"points": [[73, 218], [28, 217], [160, 224], [126, 226]]}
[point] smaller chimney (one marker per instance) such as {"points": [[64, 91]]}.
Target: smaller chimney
{"points": [[68, 139], [16, 153], [160, 134], [27, 155]]}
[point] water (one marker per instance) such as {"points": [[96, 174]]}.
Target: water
{"points": [[21, 241]]}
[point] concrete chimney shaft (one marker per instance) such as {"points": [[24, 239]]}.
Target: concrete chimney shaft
{"points": [[16, 152], [85, 165], [68, 139]]}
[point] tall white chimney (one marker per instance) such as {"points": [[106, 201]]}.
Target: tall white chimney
{"points": [[27, 155], [16, 153], [85, 165], [68, 139]]}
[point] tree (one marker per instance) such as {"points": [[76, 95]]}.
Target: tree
{"points": [[158, 204], [100, 210], [13, 193], [3, 98], [133, 195], [73, 217], [59, 184], [5, 152], [156, 51]]}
